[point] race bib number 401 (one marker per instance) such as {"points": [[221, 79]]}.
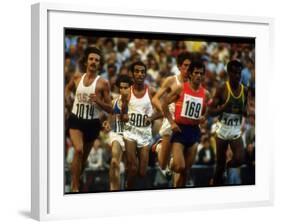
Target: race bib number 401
{"points": [[192, 107]]}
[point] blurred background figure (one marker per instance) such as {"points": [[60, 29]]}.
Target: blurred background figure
{"points": [[96, 157], [206, 155]]}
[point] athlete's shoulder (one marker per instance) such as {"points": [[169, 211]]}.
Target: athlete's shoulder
{"points": [[77, 76], [116, 103], [222, 86], [151, 90], [117, 97], [220, 91], [170, 80], [102, 82], [207, 95]]}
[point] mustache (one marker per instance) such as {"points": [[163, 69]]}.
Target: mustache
{"points": [[94, 66]]}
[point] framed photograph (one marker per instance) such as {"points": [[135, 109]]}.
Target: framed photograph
{"points": [[79, 54]]}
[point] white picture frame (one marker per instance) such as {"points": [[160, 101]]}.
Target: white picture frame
{"points": [[48, 201]]}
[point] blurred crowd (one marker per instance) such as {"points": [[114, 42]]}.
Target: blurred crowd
{"points": [[160, 58]]}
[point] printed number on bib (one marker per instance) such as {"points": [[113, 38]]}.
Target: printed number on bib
{"points": [[231, 119], [85, 111], [138, 120], [192, 107], [119, 126]]}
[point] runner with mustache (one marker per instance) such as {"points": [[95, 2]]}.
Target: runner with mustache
{"points": [[92, 96]]}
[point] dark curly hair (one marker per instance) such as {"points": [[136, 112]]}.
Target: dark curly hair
{"points": [[88, 51]]}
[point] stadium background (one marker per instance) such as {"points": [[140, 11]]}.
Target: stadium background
{"points": [[159, 53]]}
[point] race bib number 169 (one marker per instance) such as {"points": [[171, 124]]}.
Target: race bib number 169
{"points": [[192, 107]]}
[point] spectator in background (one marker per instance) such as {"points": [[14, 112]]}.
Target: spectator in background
{"points": [[124, 70], [97, 169], [73, 56], [108, 45], [110, 74], [143, 49], [111, 59], [69, 40], [250, 142], [206, 155], [247, 52], [216, 67], [246, 74], [250, 150], [178, 47], [152, 68], [231, 175], [95, 159], [81, 46], [69, 68], [123, 52], [76, 51], [69, 152], [223, 52]]}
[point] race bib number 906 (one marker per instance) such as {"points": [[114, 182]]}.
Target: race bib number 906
{"points": [[138, 120], [192, 107]]}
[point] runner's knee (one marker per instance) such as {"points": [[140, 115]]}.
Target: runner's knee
{"points": [[178, 168], [114, 163], [132, 169], [142, 172], [162, 164], [78, 148]]}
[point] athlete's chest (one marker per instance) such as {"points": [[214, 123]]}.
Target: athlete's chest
{"points": [[234, 99], [188, 92], [235, 105], [140, 105], [139, 93]]}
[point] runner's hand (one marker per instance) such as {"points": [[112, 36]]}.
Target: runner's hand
{"points": [[175, 127]]}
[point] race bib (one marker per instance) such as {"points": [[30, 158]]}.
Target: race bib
{"points": [[138, 120], [192, 107], [231, 119]]}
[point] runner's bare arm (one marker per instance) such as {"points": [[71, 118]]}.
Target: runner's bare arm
{"points": [[102, 96], [208, 100], [247, 95], [172, 97], [71, 85], [156, 114], [164, 89], [124, 109], [215, 107]]}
